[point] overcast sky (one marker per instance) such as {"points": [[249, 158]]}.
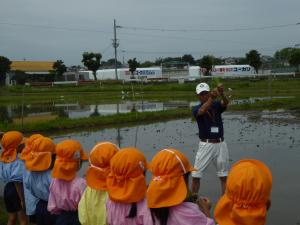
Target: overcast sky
{"points": [[64, 29]]}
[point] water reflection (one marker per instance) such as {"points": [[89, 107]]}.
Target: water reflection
{"points": [[253, 100], [77, 110], [73, 110]]}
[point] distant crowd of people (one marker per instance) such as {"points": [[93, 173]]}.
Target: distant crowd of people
{"points": [[42, 185]]}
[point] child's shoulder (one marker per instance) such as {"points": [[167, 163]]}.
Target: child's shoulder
{"points": [[41, 175], [188, 213], [189, 206], [14, 166], [74, 184]]}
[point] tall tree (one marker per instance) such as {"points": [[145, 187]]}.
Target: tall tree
{"points": [[207, 63], [295, 58], [158, 61], [188, 58], [133, 64], [4, 68], [253, 58], [218, 61], [147, 64], [92, 61], [284, 54], [241, 61], [110, 63], [59, 68]]}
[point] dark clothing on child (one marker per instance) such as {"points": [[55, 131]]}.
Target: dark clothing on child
{"points": [[68, 218], [32, 219], [43, 217], [11, 198]]}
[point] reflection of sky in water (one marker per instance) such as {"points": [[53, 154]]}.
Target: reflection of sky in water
{"points": [[260, 135], [79, 110], [256, 99]]}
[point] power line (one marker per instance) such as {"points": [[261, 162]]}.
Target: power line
{"points": [[153, 29], [190, 52], [195, 39], [107, 47], [211, 30], [159, 36], [146, 35], [55, 27]]}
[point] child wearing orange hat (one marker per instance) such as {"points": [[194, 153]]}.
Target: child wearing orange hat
{"points": [[127, 188], [11, 173], [92, 205], [168, 191], [39, 161], [247, 196], [66, 188], [30, 200], [28, 144]]}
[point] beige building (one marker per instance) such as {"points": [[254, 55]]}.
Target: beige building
{"points": [[32, 68]]}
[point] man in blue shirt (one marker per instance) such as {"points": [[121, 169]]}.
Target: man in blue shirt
{"points": [[212, 146]]}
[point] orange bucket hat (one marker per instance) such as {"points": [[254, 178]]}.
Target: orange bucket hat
{"points": [[126, 182], [40, 156], [167, 187], [69, 153], [10, 142], [28, 145], [247, 194], [99, 169]]}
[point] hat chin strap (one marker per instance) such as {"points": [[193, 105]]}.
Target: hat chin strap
{"points": [[102, 143], [141, 164], [178, 158], [99, 168], [95, 147], [157, 178]]}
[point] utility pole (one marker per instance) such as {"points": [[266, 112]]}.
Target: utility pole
{"points": [[116, 45]]}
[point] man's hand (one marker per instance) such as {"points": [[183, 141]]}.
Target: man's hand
{"points": [[214, 93], [225, 100]]}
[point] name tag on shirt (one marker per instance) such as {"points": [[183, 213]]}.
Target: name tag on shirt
{"points": [[214, 130]]}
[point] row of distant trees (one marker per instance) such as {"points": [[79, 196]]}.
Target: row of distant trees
{"points": [[253, 58], [92, 61]]}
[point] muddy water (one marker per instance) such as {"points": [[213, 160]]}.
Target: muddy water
{"points": [[273, 137], [264, 136]]}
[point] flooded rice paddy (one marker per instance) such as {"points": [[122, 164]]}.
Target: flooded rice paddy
{"points": [[32, 112], [270, 136], [73, 110], [273, 137]]}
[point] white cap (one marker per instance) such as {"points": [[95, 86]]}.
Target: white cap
{"points": [[202, 87]]}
